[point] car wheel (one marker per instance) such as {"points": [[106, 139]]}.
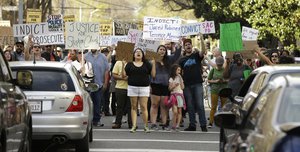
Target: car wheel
{"points": [[91, 134], [82, 145], [28, 141]]}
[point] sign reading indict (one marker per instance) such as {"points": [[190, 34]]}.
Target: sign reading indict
{"points": [[249, 33], [161, 28], [34, 16], [55, 23], [80, 35], [6, 36], [20, 30]]}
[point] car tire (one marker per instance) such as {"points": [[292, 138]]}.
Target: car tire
{"points": [[82, 145], [91, 134]]}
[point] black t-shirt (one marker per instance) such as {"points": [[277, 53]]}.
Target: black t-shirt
{"points": [[191, 66], [138, 76]]}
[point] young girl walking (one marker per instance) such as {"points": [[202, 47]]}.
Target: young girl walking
{"points": [[176, 100]]}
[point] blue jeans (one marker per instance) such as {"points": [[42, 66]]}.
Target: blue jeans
{"points": [[194, 100], [97, 98]]}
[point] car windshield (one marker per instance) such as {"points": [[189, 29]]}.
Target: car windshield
{"points": [[50, 80], [290, 106]]}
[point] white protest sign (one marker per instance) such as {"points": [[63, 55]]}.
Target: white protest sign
{"points": [[105, 40], [55, 23], [249, 33], [134, 35], [21, 30], [82, 35], [190, 29], [115, 39], [208, 27], [49, 39], [150, 45], [161, 28]]}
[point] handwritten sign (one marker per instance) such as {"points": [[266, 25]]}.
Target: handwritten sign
{"points": [[116, 39], [55, 23], [34, 29], [124, 51], [105, 29], [247, 51], [6, 36], [150, 45], [249, 33], [34, 16], [50, 39], [190, 29], [134, 35], [81, 35], [105, 40], [122, 28], [161, 28], [208, 27]]}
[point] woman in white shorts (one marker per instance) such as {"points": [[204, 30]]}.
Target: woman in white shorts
{"points": [[139, 72]]}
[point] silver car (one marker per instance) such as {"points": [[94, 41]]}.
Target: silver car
{"points": [[62, 109]]}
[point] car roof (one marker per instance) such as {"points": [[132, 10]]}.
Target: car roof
{"points": [[40, 64], [278, 67]]}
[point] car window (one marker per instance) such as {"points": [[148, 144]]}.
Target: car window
{"points": [[50, 80], [259, 82], [4, 72], [290, 106], [78, 76], [245, 87]]}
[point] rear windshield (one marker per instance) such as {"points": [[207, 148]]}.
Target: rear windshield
{"points": [[50, 80]]}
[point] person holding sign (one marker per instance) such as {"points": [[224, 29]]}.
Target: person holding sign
{"points": [[138, 73], [192, 77], [160, 84]]}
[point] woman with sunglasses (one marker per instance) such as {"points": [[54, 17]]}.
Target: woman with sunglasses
{"points": [[33, 51]]}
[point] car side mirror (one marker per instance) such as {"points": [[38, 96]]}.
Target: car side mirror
{"points": [[24, 79], [93, 87], [238, 99], [226, 120]]}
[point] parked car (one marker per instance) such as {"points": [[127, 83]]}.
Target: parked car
{"points": [[62, 109], [272, 122], [249, 92], [15, 115]]}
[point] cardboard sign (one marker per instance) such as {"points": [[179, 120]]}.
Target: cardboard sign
{"points": [[116, 39], [105, 29], [247, 52], [161, 28], [134, 35], [21, 30], [231, 37], [82, 35], [150, 55], [105, 40], [50, 39], [208, 27], [249, 33], [55, 23], [124, 51], [190, 29], [150, 45], [6, 36], [34, 16]]}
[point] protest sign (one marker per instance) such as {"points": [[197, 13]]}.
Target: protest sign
{"points": [[150, 45], [190, 29], [231, 37], [122, 28], [249, 33], [134, 35], [116, 39], [105, 29], [247, 52], [55, 23], [82, 35], [124, 51], [34, 16], [69, 18], [34, 29], [5, 23], [105, 40], [161, 28], [150, 55], [49, 39], [208, 27], [6, 36]]}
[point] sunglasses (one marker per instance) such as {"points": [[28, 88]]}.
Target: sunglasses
{"points": [[36, 46], [274, 56]]}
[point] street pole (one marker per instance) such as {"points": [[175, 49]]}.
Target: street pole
{"points": [[20, 15]]}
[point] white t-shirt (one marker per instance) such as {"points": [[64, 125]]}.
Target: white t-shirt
{"points": [[178, 88]]}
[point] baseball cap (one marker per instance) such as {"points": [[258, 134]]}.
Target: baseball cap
{"points": [[219, 60]]}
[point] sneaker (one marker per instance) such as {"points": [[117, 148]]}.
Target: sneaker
{"points": [[209, 125], [116, 126], [203, 128], [98, 124], [146, 129], [190, 128], [175, 129], [154, 127], [165, 127], [133, 130]]}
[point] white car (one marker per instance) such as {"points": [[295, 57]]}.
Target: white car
{"points": [[62, 109]]}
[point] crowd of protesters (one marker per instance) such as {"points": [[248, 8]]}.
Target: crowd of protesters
{"points": [[174, 81]]}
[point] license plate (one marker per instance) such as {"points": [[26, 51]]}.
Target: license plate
{"points": [[36, 106]]}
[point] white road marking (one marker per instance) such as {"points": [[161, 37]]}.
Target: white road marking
{"points": [[144, 150], [160, 131], [160, 140]]}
